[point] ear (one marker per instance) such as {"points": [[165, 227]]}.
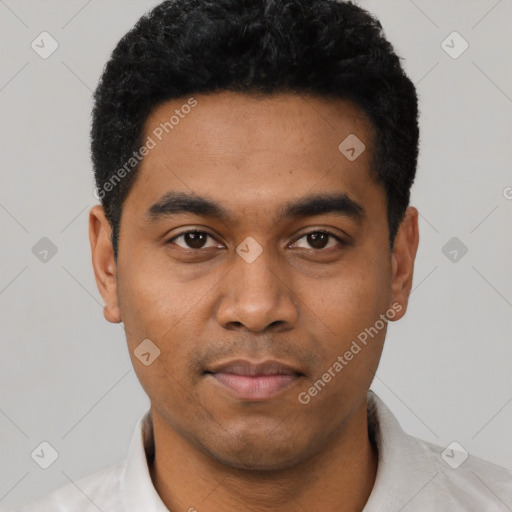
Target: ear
{"points": [[402, 260], [103, 262]]}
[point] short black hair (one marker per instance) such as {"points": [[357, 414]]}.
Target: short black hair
{"points": [[326, 48]]}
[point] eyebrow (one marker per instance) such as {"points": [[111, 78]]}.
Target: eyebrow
{"points": [[175, 203]]}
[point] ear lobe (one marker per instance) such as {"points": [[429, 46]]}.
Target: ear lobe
{"points": [[402, 259], [103, 262]]}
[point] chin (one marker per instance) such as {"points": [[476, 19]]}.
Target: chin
{"points": [[261, 462], [262, 452]]}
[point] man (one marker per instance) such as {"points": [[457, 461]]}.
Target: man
{"points": [[254, 161]]}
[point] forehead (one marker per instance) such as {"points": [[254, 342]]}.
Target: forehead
{"points": [[233, 123], [252, 151]]}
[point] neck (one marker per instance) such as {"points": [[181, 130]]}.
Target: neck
{"points": [[337, 479]]}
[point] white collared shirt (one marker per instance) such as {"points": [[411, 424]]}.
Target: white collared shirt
{"points": [[412, 475]]}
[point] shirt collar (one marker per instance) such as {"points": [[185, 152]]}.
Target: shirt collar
{"points": [[137, 490], [401, 464]]}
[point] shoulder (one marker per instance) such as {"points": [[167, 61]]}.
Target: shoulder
{"points": [[465, 480], [414, 474], [97, 491]]}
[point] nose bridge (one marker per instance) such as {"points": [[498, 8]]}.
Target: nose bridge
{"points": [[256, 293], [257, 277]]}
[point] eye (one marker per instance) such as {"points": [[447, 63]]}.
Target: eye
{"points": [[319, 240], [194, 239]]}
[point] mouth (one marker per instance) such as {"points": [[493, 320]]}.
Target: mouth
{"points": [[251, 381]]}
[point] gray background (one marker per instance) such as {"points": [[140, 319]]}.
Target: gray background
{"points": [[65, 375]]}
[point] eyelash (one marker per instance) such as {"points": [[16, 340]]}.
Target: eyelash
{"points": [[323, 231]]}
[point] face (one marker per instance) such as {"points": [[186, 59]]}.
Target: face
{"points": [[249, 237]]}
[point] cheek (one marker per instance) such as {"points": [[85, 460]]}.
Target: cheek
{"points": [[154, 309], [151, 303], [350, 304], [354, 298], [157, 305]]}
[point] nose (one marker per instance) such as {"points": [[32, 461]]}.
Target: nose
{"points": [[257, 296]]}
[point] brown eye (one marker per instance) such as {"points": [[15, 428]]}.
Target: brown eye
{"points": [[192, 239], [320, 239]]}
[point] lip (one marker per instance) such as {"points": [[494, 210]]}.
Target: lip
{"points": [[254, 381]]}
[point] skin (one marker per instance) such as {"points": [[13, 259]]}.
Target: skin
{"points": [[299, 303]]}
